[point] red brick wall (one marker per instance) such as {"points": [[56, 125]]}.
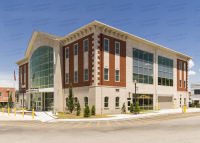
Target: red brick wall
{"points": [[111, 81], [81, 81], [20, 90], [182, 70], [5, 94]]}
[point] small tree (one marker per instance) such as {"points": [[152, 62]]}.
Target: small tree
{"points": [[10, 101], [123, 108], [197, 104], [1, 105], [132, 108], [71, 99], [193, 104], [93, 110], [87, 111], [78, 109], [137, 107]]}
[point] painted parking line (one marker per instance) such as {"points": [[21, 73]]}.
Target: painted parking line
{"points": [[67, 124], [143, 120], [88, 124], [136, 121], [108, 123], [98, 124], [47, 124], [78, 124], [117, 122], [58, 125], [127, 122]]}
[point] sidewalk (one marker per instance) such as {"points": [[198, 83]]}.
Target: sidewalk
{"points": [[47, 116]]}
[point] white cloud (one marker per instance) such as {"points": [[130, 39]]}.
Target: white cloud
{"points": [[2, 80], [192, 73], [191, 64]]}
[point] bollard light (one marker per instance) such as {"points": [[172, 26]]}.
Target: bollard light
{"points": [[15, 111], [22, 112], [8, 111], [33, 114]]}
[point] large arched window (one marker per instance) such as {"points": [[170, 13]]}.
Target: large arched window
{"points": [[41, 67], [117, 102], [86, 101], [106, 99]]}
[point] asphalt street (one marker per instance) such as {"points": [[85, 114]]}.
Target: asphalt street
{"points": [[166, 128]]}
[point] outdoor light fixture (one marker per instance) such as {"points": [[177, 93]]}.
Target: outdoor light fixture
{"points": [[23, 88], [8, 90], [135, 96]]}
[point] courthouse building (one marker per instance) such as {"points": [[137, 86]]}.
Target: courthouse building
{"points": [[102, 64]]}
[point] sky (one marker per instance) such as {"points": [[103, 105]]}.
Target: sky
{"points": [[174, 24]]}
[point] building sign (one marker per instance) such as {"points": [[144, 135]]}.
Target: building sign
{"points": [[32, 90], [5, 97]]}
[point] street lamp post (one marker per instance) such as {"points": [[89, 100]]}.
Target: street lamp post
{"points": [[8, 90], [23, 88], [135, 96]]}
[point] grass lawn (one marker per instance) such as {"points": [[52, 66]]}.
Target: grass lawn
{"points": [[73, 116]]}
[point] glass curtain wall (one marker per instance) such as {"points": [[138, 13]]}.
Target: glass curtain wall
{"points": [[41, 64], [145, 101], [165, 71], [142, 66]]}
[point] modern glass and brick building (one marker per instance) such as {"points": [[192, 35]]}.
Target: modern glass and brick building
{"points": [[102, 64]]}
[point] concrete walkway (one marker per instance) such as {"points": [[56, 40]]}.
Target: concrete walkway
{"points": [[48, 116]]}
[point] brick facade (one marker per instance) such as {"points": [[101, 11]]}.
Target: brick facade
{"points": [[4, 97], [182, 73]]}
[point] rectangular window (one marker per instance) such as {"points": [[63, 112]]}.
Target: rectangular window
{"points": [[165, 71], [25, 69], [117, 102], [85, 45], [67, 53], [116, 75], [180, 83], [184, 66], [75, 49], [196, 91], [142, 66], [0, 94], [180, 65], [106, 45], [117, 48], [184, 84], [86, 74], [105, 74], [67, 78], [76, 76]]}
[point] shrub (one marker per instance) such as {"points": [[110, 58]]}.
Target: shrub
{"points": [[132, 108], [93, 110], [193, 104], [70, 99], [63, 112], [123, 108], [137, 107], [87, 111], [1, 105], [78, 109], [197, 104]]}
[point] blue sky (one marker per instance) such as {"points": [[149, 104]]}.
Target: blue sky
{"points": [[174, 24]]}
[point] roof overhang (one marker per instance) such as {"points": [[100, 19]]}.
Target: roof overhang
{"points": [[22, 61], [103, 26]]}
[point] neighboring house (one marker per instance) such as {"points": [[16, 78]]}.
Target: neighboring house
{"points": [[4, 95], [102, 64], [195, 92]]}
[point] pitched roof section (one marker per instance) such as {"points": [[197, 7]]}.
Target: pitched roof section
{"points": [[55, 37]]}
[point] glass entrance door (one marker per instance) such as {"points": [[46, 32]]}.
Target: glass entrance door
{"points": [[38, 106]]}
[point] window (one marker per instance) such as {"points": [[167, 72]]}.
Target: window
{"points": [[66, 102], [180, 102], [180, 83], [145, 101], [117, 102], [196, 91], [67, 53], [117, 48], [106, 43], [25, 69], [75, 101], [85, 45], [142, 66], [105, 74], [75, 49], [76, 76], [116, 75], [21, 102], [184, 84], [106, 101], [0, 94], [86, 101], [86, 74], [165, 71], [67, 78], [180, 65], [184, 66]]}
